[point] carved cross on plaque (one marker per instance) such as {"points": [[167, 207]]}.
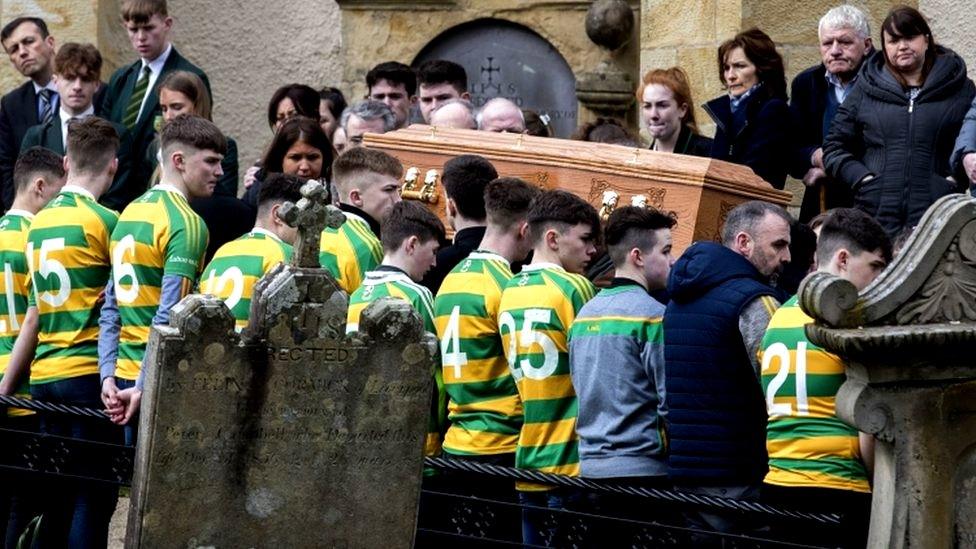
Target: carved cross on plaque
{"points": [[490, 69], [310, 216]]}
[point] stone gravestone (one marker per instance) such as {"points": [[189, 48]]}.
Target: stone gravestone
{"points": [[909, 341], [291, 434], [503, 59]]}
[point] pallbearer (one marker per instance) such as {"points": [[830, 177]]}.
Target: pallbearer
{"points": [[537, 307]]}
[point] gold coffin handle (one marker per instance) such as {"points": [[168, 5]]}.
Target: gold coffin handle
{"points": [[426, 193]]}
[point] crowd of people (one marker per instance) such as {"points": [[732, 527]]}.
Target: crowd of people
{"points": [[122, 198]]}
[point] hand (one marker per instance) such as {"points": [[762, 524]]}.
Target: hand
{"points": [[6, 387], [250, 176], [814, 176], [113, 407], [130, 398], [816, 159], [969, 164]]}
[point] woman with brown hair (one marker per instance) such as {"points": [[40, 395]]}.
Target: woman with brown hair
{"points": [[183, 92], [752, 119], [669, 113], [892, 138]]}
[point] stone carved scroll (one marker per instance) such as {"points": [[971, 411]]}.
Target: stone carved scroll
{"points": [[909, 341]]}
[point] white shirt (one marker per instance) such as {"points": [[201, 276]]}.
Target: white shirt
{"points": [[155, 68], [65, 117]]}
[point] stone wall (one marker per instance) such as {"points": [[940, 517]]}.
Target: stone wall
{"points": [[374, 31], [954, 26]]}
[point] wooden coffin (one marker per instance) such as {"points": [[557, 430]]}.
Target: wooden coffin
{"points": [[700, 191]]}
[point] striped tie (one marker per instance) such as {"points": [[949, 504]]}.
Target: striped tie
{"points": [[46, 108], [135, 102]]}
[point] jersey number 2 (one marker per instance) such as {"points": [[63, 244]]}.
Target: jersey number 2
{"points": [[527, 337], [782, 352]]}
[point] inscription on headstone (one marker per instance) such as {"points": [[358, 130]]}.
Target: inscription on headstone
{"points": [[503, 59], [289, 435]]}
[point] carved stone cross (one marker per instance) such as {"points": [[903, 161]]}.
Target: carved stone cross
{"points": [[311, 215]]}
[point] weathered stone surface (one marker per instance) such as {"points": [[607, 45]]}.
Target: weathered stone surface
{"points": [[908, 340], [291, 434], [610, 23]]}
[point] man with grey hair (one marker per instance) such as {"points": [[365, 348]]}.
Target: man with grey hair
{"points": [[455, 113], [845, 42], [721, 303], [501, 115], [366, 116]]}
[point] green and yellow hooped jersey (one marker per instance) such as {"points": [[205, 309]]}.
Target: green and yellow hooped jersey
{"points": [[396, 283], [69, 261], [537, 308], [350, 251], [15, 286], [157, 234], [807, 444], [484, 408], [238, 265]]}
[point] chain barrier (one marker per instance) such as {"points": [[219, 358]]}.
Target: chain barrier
{"points": [[468, 466]]}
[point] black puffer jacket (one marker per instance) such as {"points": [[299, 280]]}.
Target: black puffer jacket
{"points": [[904, 144]]}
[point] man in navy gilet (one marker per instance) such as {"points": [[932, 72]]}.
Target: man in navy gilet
{"points": [[722, 297], [816, 93]]}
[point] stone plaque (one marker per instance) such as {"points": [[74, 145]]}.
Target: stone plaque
{"points": [[503, 59], [290, 434]]}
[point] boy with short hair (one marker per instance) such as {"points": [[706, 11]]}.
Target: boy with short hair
{"points": [[158, 248], [132, 97], [77, 76], [411, 235], [69, 264], [816, 460], [618, 336], [537, 307], [395, 84], [38, 177], [239, 265], [440, 81], [484, 408], [368, 184]]}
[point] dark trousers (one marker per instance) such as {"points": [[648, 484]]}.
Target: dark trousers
{"points": [[76, 513], [621, 533], [853, 507], [19, 494], [471, 513]]}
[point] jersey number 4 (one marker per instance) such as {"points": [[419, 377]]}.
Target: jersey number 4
{"points": [[782, 352]]}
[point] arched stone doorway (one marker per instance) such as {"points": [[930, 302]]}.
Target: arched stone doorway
{"points": [[505, 59]]}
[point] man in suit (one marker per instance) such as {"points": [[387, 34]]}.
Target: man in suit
{"points": [[845, 42], [77, 77], [132, 97], [31, 49]]}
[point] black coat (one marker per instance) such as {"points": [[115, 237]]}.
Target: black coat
{"points": [[113, 107], [904, 144], [18, 112], [762, 143], [691, 143], [808, 103]]}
